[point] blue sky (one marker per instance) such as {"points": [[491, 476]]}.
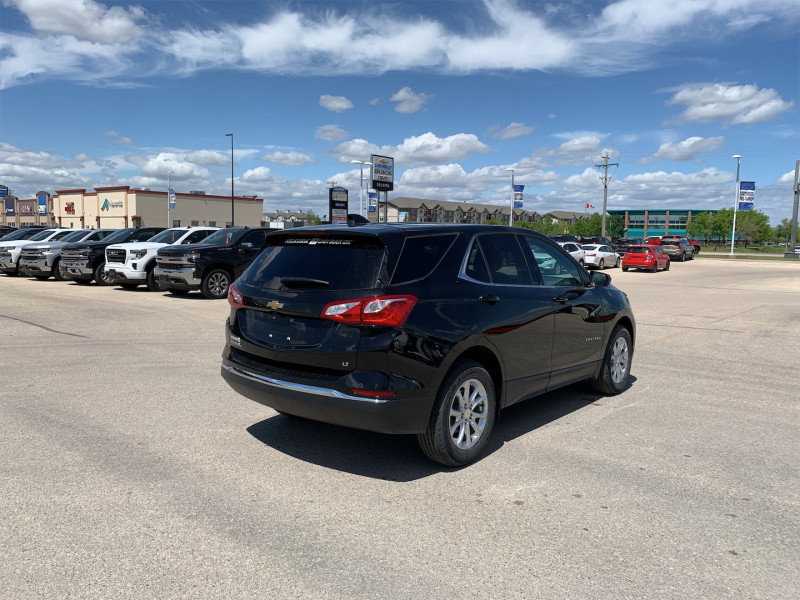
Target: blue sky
{"points": [[457, 91]]}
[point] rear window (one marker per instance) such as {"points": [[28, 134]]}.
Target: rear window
{"points": [[330, 263], [638, 250]]}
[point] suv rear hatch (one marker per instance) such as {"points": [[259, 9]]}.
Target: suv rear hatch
{"points": [[297, 314]]}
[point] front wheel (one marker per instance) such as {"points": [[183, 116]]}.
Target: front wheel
{"points": [[59, 272], [152, 283], [616, 367], [216, 284], [100, 275], [462, 418]]}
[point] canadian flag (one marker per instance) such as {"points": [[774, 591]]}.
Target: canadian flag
{"points": [[590, 206]]}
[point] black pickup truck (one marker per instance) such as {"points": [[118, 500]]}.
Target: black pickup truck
{"points": [[211, 265], [84, 261]]}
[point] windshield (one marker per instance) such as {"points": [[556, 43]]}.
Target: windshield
{"points": [[168, 236], [19, 234], [222, 237], [42, 235], [75, 236], [117, 236]]}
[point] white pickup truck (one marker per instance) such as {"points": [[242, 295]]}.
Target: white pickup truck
{"points": [[131, 264]]}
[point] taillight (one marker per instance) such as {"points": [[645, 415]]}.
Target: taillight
{"points": [[388, 311], [235, 298]]}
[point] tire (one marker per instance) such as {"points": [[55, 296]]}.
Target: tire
{"points": [[463, 417], [152, 283], [616, 265], [669, 262], [624, 269], [654, 268], [683, 256], [215, 284], [99, 275], [601, 264], [59, 274], [615, 370]]}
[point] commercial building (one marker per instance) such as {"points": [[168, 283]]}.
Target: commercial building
{"points": [[123, 206], [646, 223]]}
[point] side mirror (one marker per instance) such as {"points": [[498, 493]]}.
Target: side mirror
{"points": [[600, 279]]}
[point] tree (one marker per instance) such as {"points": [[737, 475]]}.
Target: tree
{"points": [[311, 218], [592, 225], [702, 226], [722, 223], [753, 226]]}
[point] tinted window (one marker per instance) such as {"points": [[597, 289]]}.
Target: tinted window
{"points": [[118, 236], [196, 236], [257, 238], [75, 236], [420, 256], [638, 250], [142, 235], [330, 263], [223, 237], [504, 259]]}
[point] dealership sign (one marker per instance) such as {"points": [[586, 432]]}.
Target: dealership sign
{"points": [[747, 193], [109, 204], [337, 205], [382, 173]]}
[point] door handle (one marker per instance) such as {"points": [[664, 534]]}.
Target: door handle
{"points": [[489, 299]]}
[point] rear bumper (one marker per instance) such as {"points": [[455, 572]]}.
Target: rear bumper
{"points": [[392, 415]]}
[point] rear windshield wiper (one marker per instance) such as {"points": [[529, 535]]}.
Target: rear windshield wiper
{"points": [[299, 282]]}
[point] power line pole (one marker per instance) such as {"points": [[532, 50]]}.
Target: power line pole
{"points": [[605, 164]]}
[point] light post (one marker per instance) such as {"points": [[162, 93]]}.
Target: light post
{"points": [[232, 205], [361, 197], [169, 196], [511, 214], [738, 158]]}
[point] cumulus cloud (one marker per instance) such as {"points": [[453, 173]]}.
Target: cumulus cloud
{"points": [[82, 19], [292, 159], [335, 103], [686, 150], [408, 101], [512, 131], [582, 144], [425, 149], [736, 104], [330, 133], [209, 157]]}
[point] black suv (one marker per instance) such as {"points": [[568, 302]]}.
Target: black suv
{"points": [[210, 265], [428, 329]]}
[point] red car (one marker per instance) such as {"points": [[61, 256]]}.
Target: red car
{"points": [[645, 256]]}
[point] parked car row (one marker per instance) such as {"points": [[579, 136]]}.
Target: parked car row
{"points": [[178, 259]]}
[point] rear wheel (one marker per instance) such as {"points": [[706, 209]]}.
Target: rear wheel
{"points": [[615, 370], [216, 284], [666, 268], [462, 418], [601, 264], [624, 269]]}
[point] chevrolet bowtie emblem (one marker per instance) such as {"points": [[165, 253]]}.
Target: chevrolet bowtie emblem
{"points": [[274, 304]]}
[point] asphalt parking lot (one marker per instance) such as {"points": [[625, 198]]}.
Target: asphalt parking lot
{"points": [[130, 470]]}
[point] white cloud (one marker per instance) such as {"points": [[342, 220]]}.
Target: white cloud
{"points": [[737, 104], [259, 175], [686, 150], [408, 101], [582, 144], [292, 159], [82, 19], [209, 157], [335, 103], [330, 133], [113, 138], [513, 130]]}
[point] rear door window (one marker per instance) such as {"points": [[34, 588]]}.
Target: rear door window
{"points": [[498, 258], [420, 256]]}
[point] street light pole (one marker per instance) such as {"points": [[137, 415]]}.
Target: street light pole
{"points": [[511, 214], [738, 158], [361, 197], [232, 204], [169, 195]]}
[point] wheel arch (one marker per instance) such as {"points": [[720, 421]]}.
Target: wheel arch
{"points": [[489, 361]]}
